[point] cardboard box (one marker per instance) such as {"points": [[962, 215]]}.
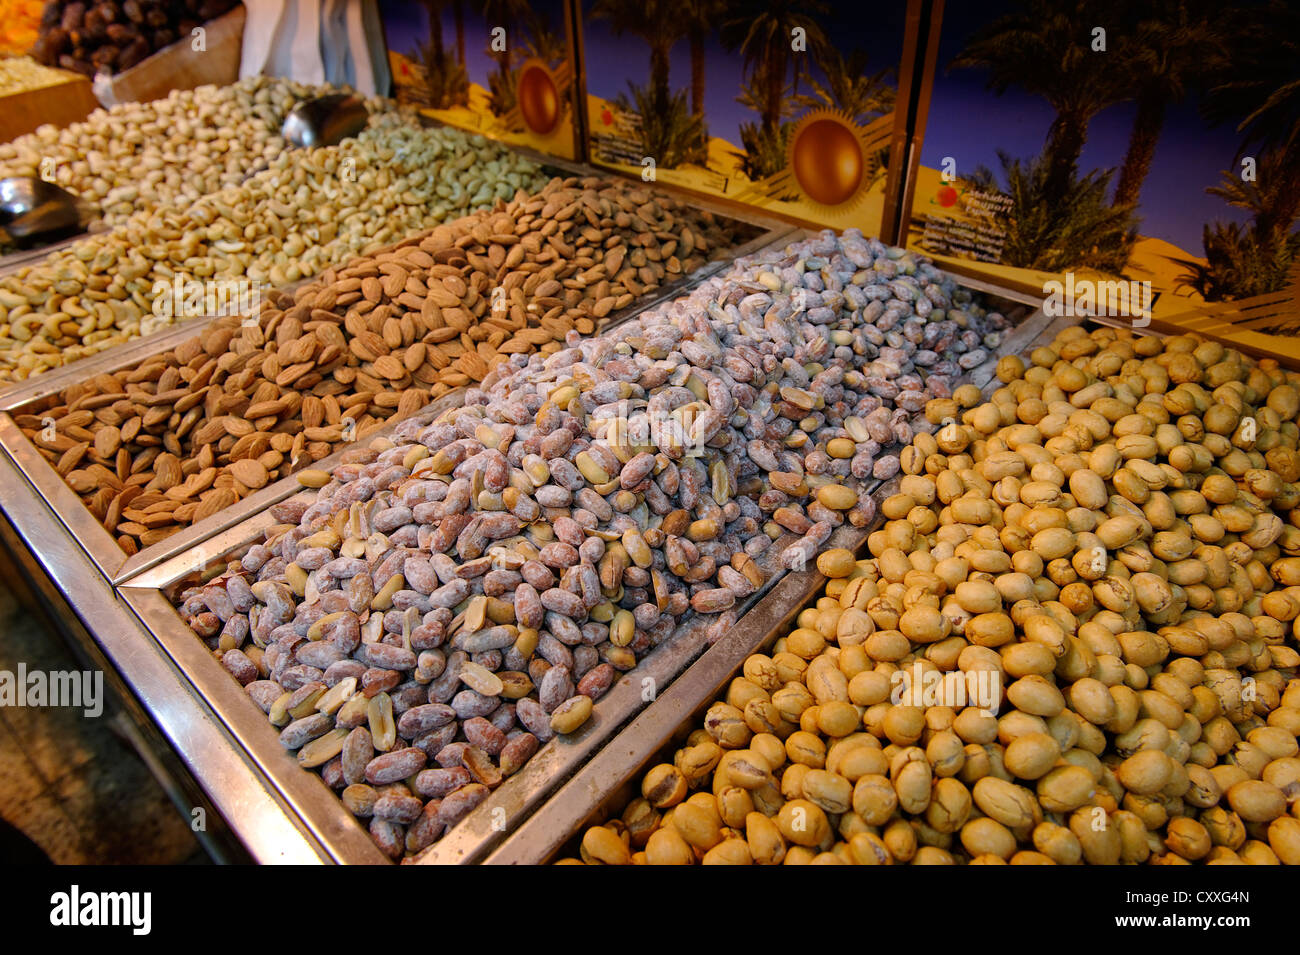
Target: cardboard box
{"points": [[181, 66], [61, 104]]}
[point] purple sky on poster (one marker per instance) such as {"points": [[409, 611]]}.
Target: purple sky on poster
{"points": [[966, 121], [613, 61], [971, 124], [406, 24]]}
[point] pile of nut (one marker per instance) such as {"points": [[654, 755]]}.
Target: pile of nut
{"points": [[135, 157], [307, 210], [21, 73], [466, 590], [186, 433], [1074, 641], [89, 36]]}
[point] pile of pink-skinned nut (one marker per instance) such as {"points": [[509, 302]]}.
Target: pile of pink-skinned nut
{"points": [[457, 595]]}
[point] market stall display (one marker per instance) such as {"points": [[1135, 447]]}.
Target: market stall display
{"points": [[592, 499], [546, 514]]}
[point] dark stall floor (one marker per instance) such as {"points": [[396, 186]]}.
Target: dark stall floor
{"points": [[70, 783]]}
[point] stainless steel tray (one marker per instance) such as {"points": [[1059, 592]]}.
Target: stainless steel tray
{"points": [[76, 559], [604, 785], [152, 683], [275, 808], [147, 595]]}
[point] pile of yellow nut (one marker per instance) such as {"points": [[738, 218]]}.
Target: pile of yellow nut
{"points": [[1074, 641]]}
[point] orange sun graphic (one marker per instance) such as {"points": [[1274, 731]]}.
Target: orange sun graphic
{"points": [[539, 98]]}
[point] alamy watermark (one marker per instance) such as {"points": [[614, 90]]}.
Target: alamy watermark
{"points": [[1090, 298], [190, 298], [77, 908], [955, 689], [83, 689], [675, 430]]}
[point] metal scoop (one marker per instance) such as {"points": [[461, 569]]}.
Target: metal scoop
{"points": [[32, 210], [325, 120]]}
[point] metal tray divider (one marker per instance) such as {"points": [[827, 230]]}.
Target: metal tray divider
{"points": [[321, 812], [122, 648], [141, 582], [490, 821], [196, 534], [305, 797], [524, 792], [15, 395], [542, 834]]}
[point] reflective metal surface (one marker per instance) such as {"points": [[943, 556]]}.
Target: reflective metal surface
{"points": [[32, 209], [183, 697], [498, 821], [123, 647], [305, 798], [325, 120], [600, 781]]}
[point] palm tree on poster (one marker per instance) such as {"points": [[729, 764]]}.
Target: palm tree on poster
{"points": [[1170, 48], [660, 24], [860, 95], [1251, 259], [1084, 230], [458, 18], [446, 82], [702, 17], [763, 31], [1264, 94], [1045, 47], [1262, 97], [510, 15]]}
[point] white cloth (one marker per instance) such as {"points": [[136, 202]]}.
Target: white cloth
{"points": [[316, 41]]}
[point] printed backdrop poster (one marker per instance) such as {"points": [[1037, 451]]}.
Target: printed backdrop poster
{"points": [[503, 68], [1072, 143], [788, 106]]}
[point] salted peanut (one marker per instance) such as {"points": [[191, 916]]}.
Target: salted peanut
{"points": [[1187, 838], [729, 852], [1032, 755], [803, 823], [1256, 801], [836, 562], [667, 847], [664, 786], [603, 846], [985, 836], [1035, 694], [1284, 839], [1009, 804]]}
